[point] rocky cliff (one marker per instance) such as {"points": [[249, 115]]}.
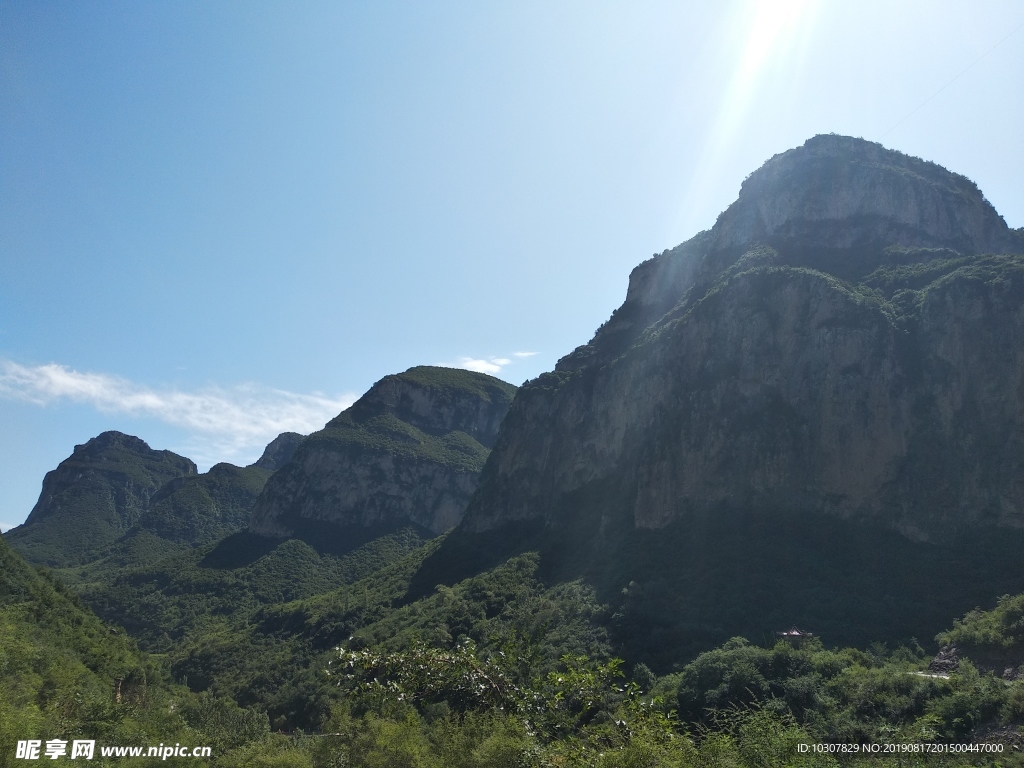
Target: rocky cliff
{"points": [[847, 340], [409, 451], [93, 497]]}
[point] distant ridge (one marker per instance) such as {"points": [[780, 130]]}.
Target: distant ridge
{"points": [[116, 490], [93, 497]]}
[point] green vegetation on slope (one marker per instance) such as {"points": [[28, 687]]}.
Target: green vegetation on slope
{"points": [[200, 509], [850, 696], [400, 429], [992, 640], [503, 669], [680, 590], [449, 382], [403, 690], [65, 675], [161, 599], [389, 435]]}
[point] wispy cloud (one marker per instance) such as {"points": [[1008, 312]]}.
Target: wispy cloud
{"points": [[491, 365], [4, 527], [221, 422]]}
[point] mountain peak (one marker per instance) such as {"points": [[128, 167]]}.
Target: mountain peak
{"points": [[439, 400], [113, 439], [836, 204], [843, 192], [847, 339]]}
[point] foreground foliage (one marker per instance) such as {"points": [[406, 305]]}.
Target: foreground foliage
{"points": [[428, 706], [65, 675], [498, 670]]}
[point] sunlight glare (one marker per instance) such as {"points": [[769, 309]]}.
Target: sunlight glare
{"points": [[769, 39]]}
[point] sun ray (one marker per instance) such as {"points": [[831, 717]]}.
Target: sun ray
{"points": [[773, 34]]}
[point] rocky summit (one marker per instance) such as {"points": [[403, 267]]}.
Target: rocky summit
{"points": [[847, 340], [409, 452]]}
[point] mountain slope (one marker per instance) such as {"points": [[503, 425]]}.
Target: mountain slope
{"points": [[409, 451], [812, 413], [777, 370], [199, 509], [61, 668]]}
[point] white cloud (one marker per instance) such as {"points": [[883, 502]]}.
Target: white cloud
{"points": [[225, 422], [491, 365], [4, 527]]}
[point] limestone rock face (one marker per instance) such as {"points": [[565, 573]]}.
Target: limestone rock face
{"points": [[93, 497], [848, 339], [409, 451], [840, 192]]}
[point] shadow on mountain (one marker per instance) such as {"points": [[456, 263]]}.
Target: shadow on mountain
{"points": [[464, 554], [336, 540], [245, 548], [680, 590], [676, 591], [239, 550]]}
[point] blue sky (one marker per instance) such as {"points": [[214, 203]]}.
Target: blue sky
{"points": [[222, 220]]}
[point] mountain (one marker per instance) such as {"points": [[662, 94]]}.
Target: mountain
{"points": [[409, 451], [412, 446], [93, 497], [201, 509], [811, 406], [836, 343], [115, 489], [808, 415]]}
